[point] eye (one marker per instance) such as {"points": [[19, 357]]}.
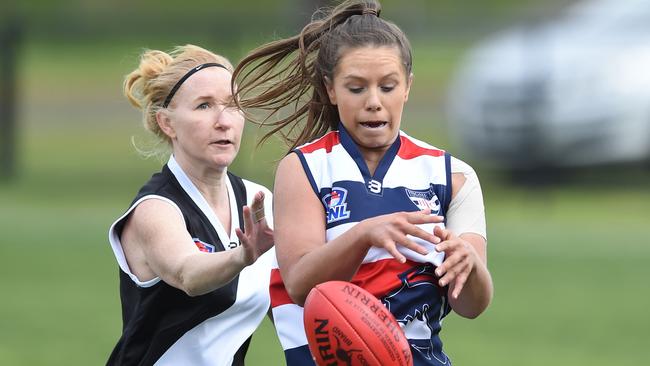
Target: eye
{"points": [[387, 88], [204, 105], [355, 90]]}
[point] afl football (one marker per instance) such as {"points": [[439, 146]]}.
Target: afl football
{"points": [[347, 325]]}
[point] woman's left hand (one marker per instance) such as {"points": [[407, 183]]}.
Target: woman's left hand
{"points": [[258, 237], [460, 260]]}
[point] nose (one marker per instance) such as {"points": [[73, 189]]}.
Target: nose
{"points": [[373, 103], [224, 117]]}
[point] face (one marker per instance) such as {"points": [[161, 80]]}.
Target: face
{"points": [[204, 133], [369, 88]]}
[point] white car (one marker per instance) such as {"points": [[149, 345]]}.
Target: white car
{"points": [[574, 91]]}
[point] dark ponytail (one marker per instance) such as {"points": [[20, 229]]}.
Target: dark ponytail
{"points": [[285, 79]]}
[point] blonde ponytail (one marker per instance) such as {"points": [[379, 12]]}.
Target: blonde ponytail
{"points": [[148, 85]]}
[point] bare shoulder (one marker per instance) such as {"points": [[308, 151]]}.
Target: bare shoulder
{"points": [[153, 236], [154, 210], [290, 165], [294, 197], [152, 220], [291, 176]]}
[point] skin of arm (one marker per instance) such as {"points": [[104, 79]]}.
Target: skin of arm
{"points": [[299, 221], [465, 267], [157, 244]]}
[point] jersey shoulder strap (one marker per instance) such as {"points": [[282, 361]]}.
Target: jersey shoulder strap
{"points": [[239, 189]]}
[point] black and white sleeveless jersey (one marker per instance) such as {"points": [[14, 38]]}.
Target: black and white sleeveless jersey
{"points": [[162, 325]]}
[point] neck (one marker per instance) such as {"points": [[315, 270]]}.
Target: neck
{"points": [[372, 157], [209, 181]]}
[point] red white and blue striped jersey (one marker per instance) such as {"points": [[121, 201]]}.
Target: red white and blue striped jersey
{"points": [[411, 176]]}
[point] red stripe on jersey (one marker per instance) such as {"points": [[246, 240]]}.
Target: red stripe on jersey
{"points": [[279, 294], [381, 276], [409, 150], [378, 278], [326, 142]]}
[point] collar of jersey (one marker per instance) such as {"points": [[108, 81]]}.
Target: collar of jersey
{"points": [[353, 150], [204, 206]]}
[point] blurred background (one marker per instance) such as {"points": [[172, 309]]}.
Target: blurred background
{"points": [[549, 100]]}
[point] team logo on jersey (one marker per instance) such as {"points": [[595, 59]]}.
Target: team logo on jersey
{"points": [[419, 305], [374, 186], [337, 208], [425, 199], [203, 246]]}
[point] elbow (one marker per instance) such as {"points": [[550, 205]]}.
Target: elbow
{"points": [[190, 289], [193, 292], [470, 313], [296, 287], [188, 284], [471, 308], [297, 296], [297, 292]]}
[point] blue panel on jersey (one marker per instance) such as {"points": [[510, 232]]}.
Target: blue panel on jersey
{"points": [[382, 168], [299, 356], [420, 304], [350, 201]]}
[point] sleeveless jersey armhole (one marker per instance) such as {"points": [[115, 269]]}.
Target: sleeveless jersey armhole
{"points": [[305, 167], [115, 232], [448, 187]]}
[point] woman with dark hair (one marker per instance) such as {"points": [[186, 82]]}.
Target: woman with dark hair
{"points": [[357, 199]]}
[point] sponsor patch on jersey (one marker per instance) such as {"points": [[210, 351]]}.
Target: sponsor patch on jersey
{"points": [[424, 199], [203, 246], [337, 208]]}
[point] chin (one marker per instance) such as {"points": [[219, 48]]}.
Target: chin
{"points": [[222, 162], [379, 143]]}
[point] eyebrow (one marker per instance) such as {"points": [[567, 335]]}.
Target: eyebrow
{"points": [[211, 97], [203, 97], [357, 77]]}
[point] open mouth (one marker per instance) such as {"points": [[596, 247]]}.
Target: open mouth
{"points": [[222, 142], [374, 124]]}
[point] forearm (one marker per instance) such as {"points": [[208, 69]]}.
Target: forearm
{"points": [[201, 273], [475, 295], [338, 259]]}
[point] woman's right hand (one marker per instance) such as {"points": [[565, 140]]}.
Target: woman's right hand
{"points": [[393, 230], [258, 236]]}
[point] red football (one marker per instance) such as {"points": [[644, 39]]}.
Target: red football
{"points": [[346, 325]]}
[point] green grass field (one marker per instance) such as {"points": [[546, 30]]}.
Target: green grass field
{"points": [[569, 262]]}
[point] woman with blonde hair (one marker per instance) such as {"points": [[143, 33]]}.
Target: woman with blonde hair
{"points": [[191, 246]]}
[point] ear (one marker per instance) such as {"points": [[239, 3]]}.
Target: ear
{"points": [[409, 82], [162, 118], [329, 86]]}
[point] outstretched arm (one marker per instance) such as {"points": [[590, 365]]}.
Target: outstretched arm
{"points": [[157, 244]]}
